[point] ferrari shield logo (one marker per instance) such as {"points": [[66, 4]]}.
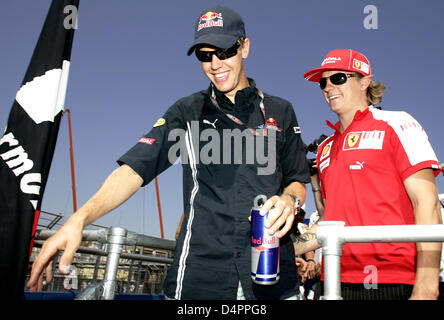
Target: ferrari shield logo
{"points": [[353, 139]]}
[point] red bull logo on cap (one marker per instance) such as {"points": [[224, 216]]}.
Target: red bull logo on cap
{"points": [[210, 19]]}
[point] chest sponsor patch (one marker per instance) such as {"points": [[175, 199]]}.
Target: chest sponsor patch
{"points": [[326, 151], [271, 124], [364, 140], [159, 122], [149, 141], [324, 165]]}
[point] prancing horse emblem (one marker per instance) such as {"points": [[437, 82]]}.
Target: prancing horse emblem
{"points": [[353, 139]]}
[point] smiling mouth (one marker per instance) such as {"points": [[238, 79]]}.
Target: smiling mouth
{"points": [[221, 77], [333, 97]]}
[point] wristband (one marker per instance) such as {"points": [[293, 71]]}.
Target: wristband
{"points": [[297, 206]]}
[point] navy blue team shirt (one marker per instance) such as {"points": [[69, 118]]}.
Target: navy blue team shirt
{"points": [[213, 250]]}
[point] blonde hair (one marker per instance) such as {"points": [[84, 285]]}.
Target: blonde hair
{"points": [[375, 91]]}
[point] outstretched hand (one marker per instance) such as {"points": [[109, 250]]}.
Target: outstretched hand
{"points": [[67, 239]]}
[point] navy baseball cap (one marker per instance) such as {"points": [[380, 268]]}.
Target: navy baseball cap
{"points": [[218, 27]]}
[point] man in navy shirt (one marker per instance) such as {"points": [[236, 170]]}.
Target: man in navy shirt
{"points": [[235, 142]]}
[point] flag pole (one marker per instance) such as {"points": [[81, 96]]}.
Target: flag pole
{"points": [[71, 153], [160, 210], [29, 141]]}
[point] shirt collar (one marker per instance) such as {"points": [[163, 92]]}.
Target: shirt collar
{"points": [[243, 97], [359, 115]]}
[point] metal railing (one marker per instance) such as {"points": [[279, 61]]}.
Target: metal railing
{"points": [[331, 234], [115, 239], [334, 234], [48, 219]]}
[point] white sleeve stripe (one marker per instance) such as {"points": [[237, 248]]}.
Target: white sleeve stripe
{"points": [[410, 133]]}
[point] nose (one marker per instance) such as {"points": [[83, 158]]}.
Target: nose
{"points": [[329, 86], [216, 63]]}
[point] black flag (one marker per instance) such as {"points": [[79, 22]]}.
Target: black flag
{"points": [[27, 145]]}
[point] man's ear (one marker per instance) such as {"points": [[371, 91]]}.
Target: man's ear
{"points": [[245, 50], [365, 82]]}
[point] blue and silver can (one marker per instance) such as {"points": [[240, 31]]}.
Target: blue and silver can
{"points": [[265, 265]]}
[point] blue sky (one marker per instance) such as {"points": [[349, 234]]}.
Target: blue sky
{"points": [[129, 64]]}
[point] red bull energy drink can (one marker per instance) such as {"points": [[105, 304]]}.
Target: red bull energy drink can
{"points": [[265, 265]]}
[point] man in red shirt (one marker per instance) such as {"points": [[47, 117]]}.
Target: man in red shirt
{"points": [[377, 168]]}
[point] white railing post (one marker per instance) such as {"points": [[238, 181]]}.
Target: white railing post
{"points": [[329, 235], [115, 242], [332, 235]]}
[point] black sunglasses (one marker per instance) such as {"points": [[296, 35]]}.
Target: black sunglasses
{"points": [[222, 54], [336, 79]]}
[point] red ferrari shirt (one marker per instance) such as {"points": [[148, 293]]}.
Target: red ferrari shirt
{"points": [[362, 171]]}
